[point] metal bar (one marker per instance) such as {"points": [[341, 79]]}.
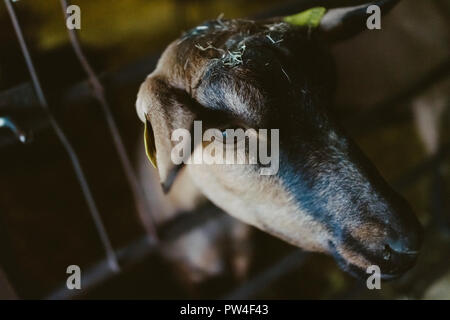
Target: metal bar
{"points": [[388, 110], [137, 250], [6, 122], [100, 272], [110, 254], [425, 166], [7, 291], [98, 91], [270, 275]]}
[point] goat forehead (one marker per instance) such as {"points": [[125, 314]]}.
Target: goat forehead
{"points": [[230, 40], [250, 89], [232, 92], [242, 67]]}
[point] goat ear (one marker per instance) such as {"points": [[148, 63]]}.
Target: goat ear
{"points": [[149, 143], [339, 24], [163, 109]]}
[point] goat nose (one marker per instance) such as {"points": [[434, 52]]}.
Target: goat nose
{"points": [[405, 244], [401, 247], [405, 234]]}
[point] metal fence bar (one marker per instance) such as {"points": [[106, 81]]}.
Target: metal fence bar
{"points": [[7, 292], [111, 256], [425, 166], [268, 276], [139, 249], [6, 122], [98, 91], [100, 272], [383, 112]]}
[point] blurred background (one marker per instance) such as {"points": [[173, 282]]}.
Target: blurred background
{"points": [[393, 98]]}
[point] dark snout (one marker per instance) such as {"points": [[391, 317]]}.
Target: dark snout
{"points": [[387, 232], [369, 222], [390, 239], [403, 241]]}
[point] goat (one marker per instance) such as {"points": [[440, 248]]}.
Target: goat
{"points": [[327, 196]]}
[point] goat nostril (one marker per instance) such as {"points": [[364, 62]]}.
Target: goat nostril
{"points": [[399, 247]]}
